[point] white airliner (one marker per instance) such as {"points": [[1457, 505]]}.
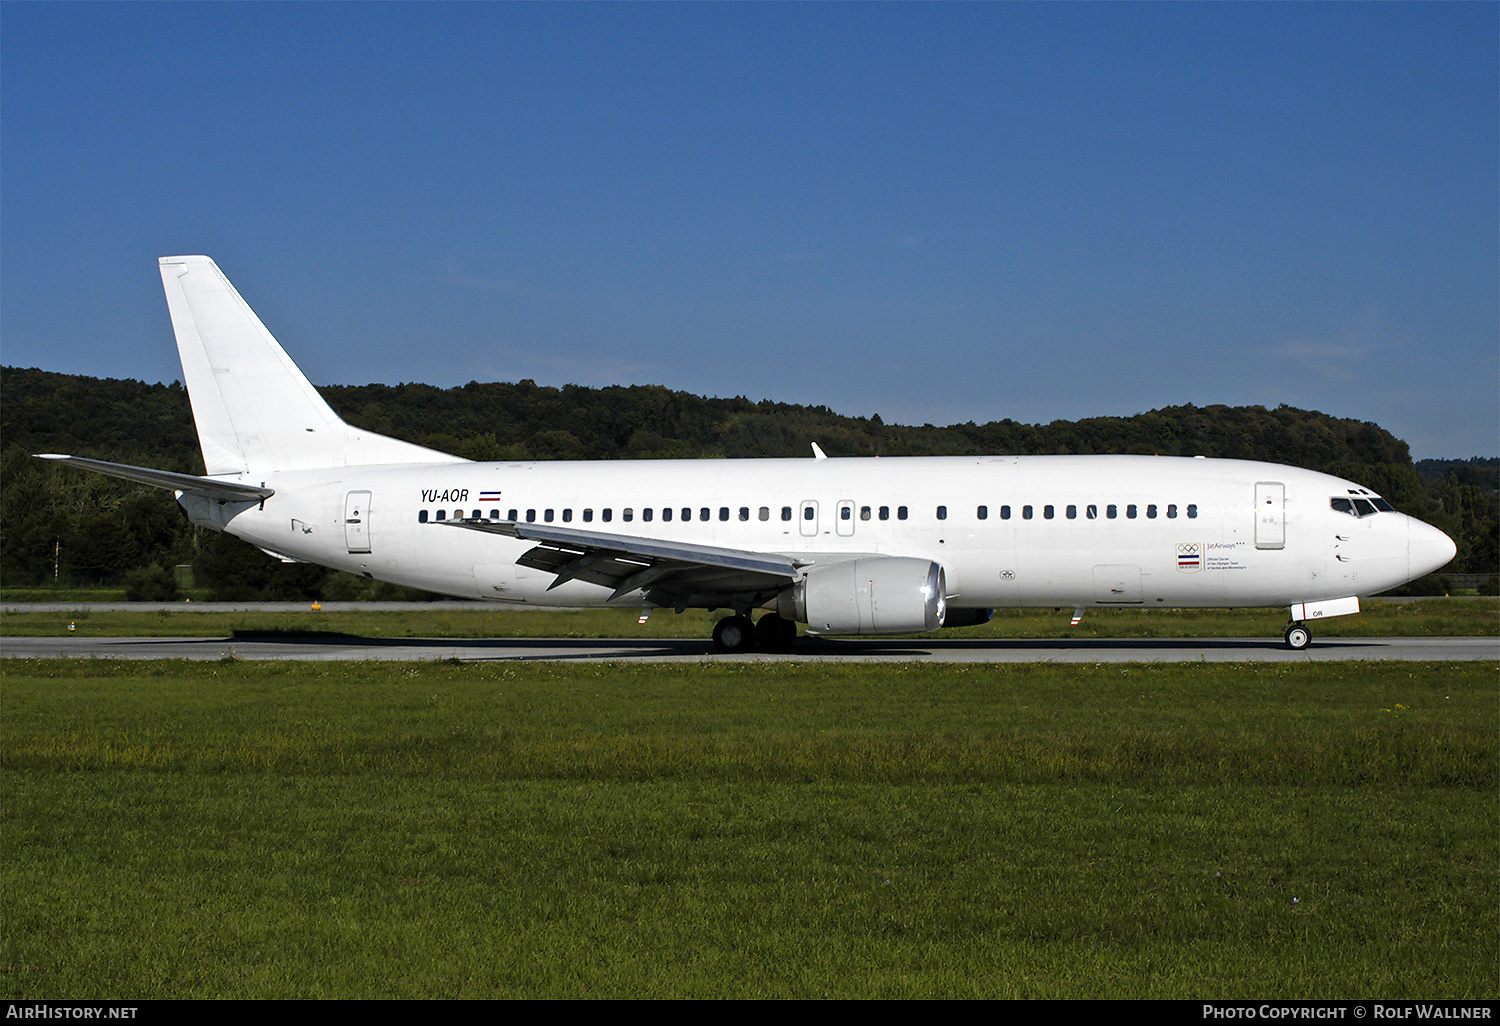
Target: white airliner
{"points": [[846, 546]]}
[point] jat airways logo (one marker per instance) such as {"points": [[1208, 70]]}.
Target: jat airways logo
{"points": [[1189, 557]]}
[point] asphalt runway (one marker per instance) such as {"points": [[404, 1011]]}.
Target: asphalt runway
{"points": [[1012, 650]]}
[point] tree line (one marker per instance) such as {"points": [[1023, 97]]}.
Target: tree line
{"points": [[60, 525]]}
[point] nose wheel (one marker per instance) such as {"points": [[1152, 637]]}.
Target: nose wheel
{"points": [[1297, 636]]}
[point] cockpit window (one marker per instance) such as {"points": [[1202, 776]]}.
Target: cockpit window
{"points": [[1360, 507]]}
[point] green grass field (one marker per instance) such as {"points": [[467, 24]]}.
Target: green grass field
{"points": [[1415, 618], [262, 829]]}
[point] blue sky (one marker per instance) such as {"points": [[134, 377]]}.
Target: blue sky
{"points": [[933, 212]]}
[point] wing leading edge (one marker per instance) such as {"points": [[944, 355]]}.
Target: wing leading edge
{"points": [[669, 573]]}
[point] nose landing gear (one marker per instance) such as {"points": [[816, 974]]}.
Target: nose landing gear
{"points": [[1297, 636]]}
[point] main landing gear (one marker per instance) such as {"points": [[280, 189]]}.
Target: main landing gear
{"points": [[739, 634], [1297, 636]]}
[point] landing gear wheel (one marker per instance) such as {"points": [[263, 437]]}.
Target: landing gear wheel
{"points": [[734, 634], [1297, 636], [775, 633]]}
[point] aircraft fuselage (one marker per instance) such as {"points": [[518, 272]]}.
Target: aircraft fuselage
{"points": [[1133, 531]]}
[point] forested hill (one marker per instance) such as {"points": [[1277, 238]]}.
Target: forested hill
{"points": [[60, 525], [130, 421]]}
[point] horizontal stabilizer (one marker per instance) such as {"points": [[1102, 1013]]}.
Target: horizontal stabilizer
{"points": [[224, 491]]}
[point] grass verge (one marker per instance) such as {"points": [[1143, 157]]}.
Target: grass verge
{"points": [[546, 830]]}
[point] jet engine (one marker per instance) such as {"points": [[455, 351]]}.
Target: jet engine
{"points": [[873, 595]]}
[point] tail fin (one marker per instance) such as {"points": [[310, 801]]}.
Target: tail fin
{"points": [[254, 409]]}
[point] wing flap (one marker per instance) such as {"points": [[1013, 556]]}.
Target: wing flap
{"points": [[625, 563]]}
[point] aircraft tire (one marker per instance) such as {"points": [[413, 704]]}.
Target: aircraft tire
{"points": [[775, 633], [1297, 636], [734, 634]]}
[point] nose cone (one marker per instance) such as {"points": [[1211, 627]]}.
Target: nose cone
{"points": [[1427, 549]]}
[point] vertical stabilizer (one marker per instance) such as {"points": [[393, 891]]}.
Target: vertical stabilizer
{"points": [[254, 409]]}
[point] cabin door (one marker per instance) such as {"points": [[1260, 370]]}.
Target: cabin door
{"points": [[357, 521], [1270, 515]]}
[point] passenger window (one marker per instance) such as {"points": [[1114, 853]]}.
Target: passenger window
{"points": [[809, 512], [1025, 512], [511, 515], [666, 515], [1192, 511], [687, 514], [786, 513], [1091, 511], [1072, 512], [942, 512], [494, 514], [1004, 512], [442, 514], [567, 516], [1112, 511], [723, 513], [422, 516], [606, 514], [531, 516], [900, 512], [983, 512], [1171, 511], [1048, 512], [744, 512], [846, 513], [885, 512], [765, 513], [1130, 512], [1151, 512], [864, 512]]}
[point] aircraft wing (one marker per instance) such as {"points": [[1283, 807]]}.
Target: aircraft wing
{"points": [[668, 572], [224, 491]]}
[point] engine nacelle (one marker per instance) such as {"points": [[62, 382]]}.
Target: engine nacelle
{"points": [[874, 595]]}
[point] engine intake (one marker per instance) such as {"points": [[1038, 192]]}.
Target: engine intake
{"points": [[874, 595]]}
